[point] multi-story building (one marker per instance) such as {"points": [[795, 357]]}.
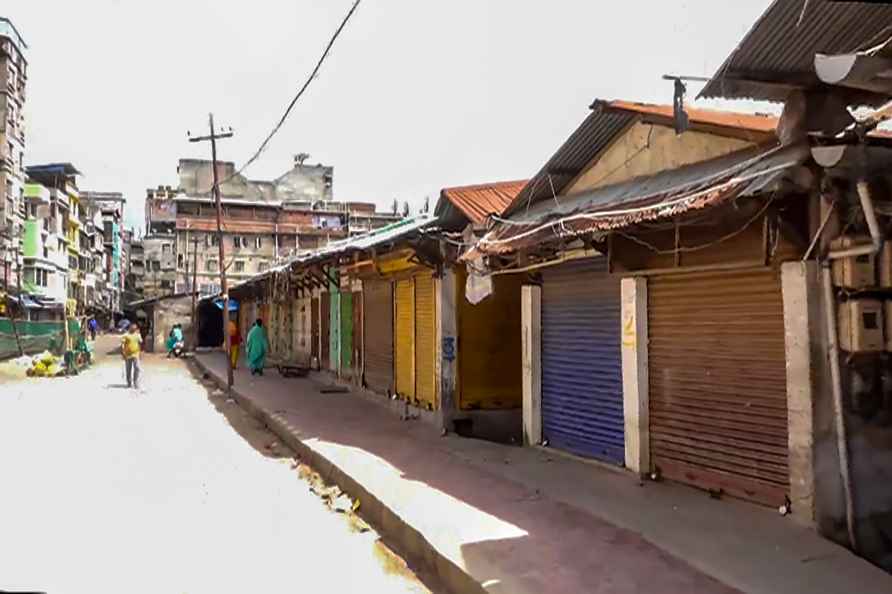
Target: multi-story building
{"points": [[56, 235], [263, 222], [109, 207], [13, 76], [134, 287], [160, 274]]}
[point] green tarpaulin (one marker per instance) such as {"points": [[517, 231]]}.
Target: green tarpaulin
{"points": [[35, 336]]}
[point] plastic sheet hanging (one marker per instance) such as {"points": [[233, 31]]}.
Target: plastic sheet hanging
{"points": [[478, 287]]}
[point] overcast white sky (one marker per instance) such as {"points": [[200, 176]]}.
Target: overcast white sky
{"points": [[417, 95]]}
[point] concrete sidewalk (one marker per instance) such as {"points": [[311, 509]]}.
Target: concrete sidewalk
{"points": [[492, 518]]}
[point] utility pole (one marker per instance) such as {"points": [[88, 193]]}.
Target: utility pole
{"points": [[194, 291], [213, 137]]}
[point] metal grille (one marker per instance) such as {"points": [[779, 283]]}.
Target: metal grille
{"points": [[404, 323], [378, 323], [718, 408], [425, 340], [582, 394]]}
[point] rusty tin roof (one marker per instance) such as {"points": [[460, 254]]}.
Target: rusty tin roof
{"points": [[479, 201]]}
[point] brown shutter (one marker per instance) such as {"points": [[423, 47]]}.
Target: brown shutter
{"points": [[718, 410], [378, 331]]}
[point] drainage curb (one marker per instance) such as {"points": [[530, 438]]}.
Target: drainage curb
{"points": [[402, 536]]}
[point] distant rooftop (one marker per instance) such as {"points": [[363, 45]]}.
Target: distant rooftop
{"points": [[7, 29], [53, 169]]}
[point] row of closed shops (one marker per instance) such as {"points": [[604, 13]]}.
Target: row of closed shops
{"points": [[710, 424], [716, 388], [715, 361]]}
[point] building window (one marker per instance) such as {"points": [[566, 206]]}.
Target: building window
{"points": [[258, 242], [181, 261], [212, 266], [239, 266], [263, 266], [212, 240], [165, 249], [238, 241], [156, 265], [166, 284]]}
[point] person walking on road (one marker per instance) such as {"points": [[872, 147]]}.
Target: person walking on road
{"points": [[94, 328], [131, 347], [257, 347], [235, 339]]}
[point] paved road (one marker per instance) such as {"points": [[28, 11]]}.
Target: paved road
{"points": [[103, 489]]}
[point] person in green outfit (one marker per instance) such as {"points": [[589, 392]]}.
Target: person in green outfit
{"points": [[257, 347]]}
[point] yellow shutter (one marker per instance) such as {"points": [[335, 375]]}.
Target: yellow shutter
{"points": [[404, 330], [425, 340], [490, 338]]}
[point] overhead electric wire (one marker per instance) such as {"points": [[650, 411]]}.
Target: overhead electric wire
{"points": [[300, 92]]}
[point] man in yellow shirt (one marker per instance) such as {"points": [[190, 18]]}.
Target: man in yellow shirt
{"points": [[131, 347]]}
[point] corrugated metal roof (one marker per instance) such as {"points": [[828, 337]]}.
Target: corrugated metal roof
{"points": [[589, 139], [392, 232], [732, 120], [479, 201], [663, 195], [779, 50], [607, 121]]}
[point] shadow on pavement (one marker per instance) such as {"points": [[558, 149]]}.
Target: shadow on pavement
{"points": [[249, 428]]}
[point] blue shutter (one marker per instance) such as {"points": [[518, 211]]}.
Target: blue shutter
{"points": [[582, 389]]}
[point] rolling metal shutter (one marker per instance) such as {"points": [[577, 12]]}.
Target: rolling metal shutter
{"points": [[378, 322], [357, 337], [404, 324], [718, 407], [582, 391], [272, 331], [425, 340], [334, 331], [302, 340], [346, 333], [325, 322], [314, 328]]}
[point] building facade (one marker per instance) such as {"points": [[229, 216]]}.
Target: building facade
{"points": [[134, 288], [263, 223], [109, 208], [13, 79]]}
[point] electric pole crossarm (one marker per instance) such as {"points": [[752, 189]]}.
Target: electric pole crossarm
{"points": [[220, 136]]}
